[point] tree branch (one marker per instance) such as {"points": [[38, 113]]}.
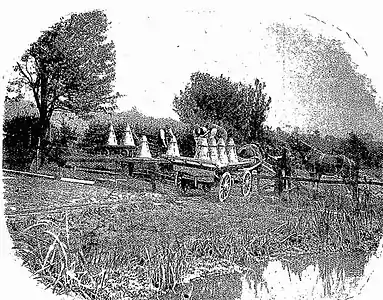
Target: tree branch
{"points": [[31, 83], [30, 75], [30, 79]]}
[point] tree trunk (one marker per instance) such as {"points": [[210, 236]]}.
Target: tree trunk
{"points": [[41, 144]]}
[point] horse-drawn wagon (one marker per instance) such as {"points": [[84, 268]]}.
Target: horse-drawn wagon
{"points": [[191, 173], [215, 167]]}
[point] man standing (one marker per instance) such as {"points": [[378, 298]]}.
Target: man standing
{"points": [[165, 137]]}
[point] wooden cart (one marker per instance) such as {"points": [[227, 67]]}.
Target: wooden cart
{"points": [[185, 172], [193, 173]]}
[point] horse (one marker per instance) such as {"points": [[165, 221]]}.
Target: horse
{"points": [[250, 151], [318, 163]]}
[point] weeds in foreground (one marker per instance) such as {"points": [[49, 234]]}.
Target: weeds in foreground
{"points": [[338, 222], [97, 259], [44, 248], [167, 264]]}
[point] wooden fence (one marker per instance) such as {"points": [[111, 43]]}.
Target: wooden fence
{"points": [[280, 182]]}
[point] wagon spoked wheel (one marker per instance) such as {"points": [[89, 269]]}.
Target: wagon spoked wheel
{"points": [[224, 186], [246, 184], [124, 153]]}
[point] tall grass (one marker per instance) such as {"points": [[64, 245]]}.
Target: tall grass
{"points": [[104, 253], [167, 265], [44, 248], [338, 222]]}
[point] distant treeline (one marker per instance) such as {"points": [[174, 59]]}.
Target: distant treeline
{"points": [[361, 148], [20, 141]]}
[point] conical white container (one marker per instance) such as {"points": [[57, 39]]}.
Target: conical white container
{"points": [[112, 141], [203, 150], [128, 139], [213, 152], [144, 148], [232, 152], [222, 156], [173, 148]]}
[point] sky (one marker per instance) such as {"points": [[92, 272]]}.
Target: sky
{"points": [[155, 42], [154, 63], [159, 45]]}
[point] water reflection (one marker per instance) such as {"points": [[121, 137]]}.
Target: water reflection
{"points": [[336, 276], [307, 277]]}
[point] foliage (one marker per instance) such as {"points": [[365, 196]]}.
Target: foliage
{"points": [[96, 133], [361, 148], [326, 82], [19, 142], [240, 108], [98, 250], [19, 109], [67, 129], [356, 148], [70, 67]]}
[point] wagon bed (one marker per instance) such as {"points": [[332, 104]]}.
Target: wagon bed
{"points": [[196, 173], [185, 172]]}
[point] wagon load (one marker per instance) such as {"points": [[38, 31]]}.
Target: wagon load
{"points": [[128, 138], [112, 141], [213, 168], [173, 147], [144, 148], [213, 151], [126, 147]]}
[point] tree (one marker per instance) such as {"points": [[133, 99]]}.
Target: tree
{"points": [[18, 138], [241, 109], [327, 82], [356, 148], [70, 67]]}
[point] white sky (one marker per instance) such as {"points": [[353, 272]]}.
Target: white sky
{"points": [[159, 44], [150, 67], [155, 62]]}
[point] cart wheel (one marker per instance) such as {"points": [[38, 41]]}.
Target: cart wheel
{"points": [[124, 152], [181, 187], [224, 186], [246, 184]]}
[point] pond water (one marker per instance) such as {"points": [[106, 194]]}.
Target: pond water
{"points": [[335, 276]]}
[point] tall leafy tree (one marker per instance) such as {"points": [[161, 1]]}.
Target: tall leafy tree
{"points": [[240, 108], [327, 82], [356, 147], [70, 67]]}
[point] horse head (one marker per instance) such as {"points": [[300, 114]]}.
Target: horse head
{"points": [[250, 151]]}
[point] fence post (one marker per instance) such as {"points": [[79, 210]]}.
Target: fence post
{"points": [[59, 173], [278, 181], [354, 182], [258, 179], [154, 177]]}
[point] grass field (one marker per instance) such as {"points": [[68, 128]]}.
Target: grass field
{"points": [[121, 241]]}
